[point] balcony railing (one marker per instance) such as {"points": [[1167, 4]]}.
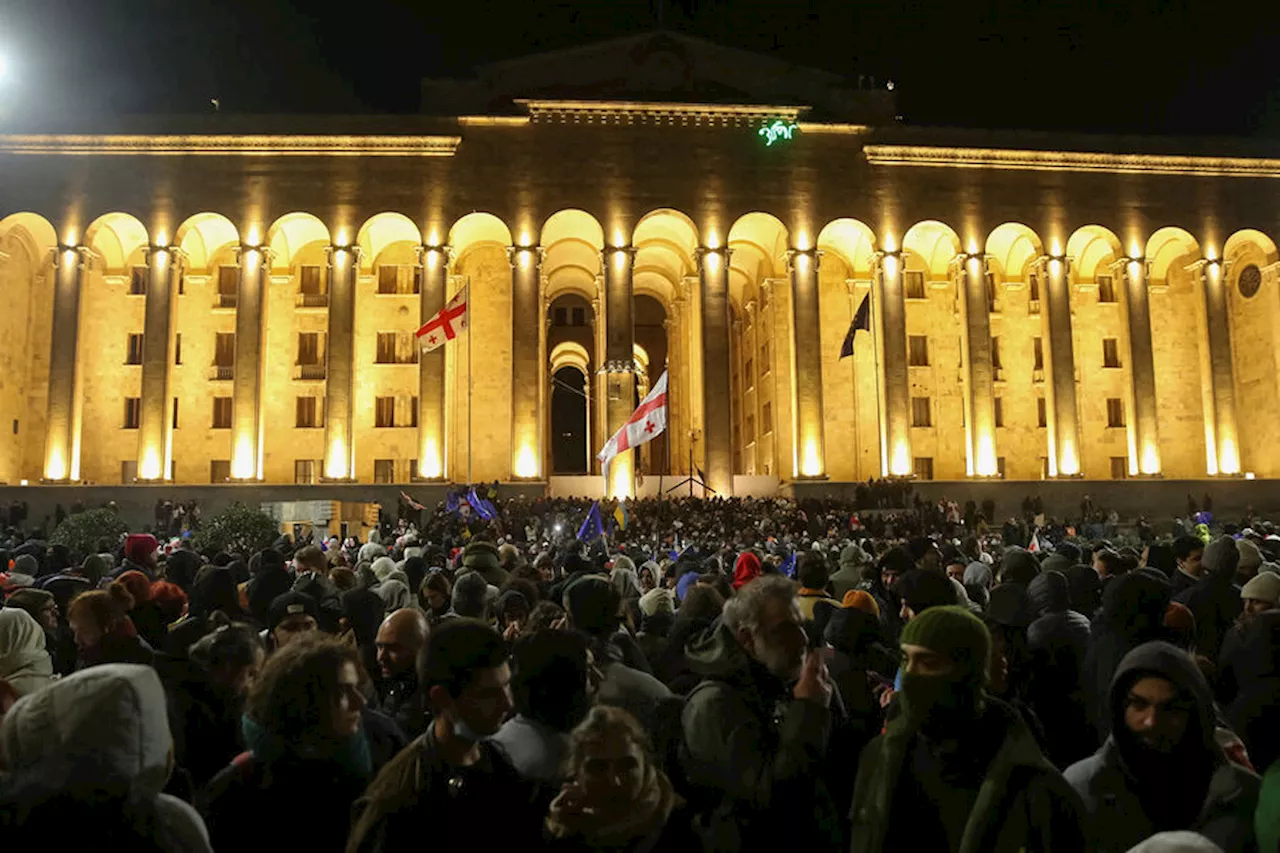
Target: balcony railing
{"points": [[222, 372], [309, 372], [225, 300], [313, 300]]}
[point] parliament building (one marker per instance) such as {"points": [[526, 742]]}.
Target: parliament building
{"points": [[233, 299]]}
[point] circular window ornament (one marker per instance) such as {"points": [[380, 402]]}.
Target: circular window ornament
{"points": [[1250, 281]]}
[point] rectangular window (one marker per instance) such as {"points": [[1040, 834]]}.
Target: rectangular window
{"points": [[766, 419], [1033, 288], [1044, 467], [386, 348], [921, 414], [1037, 353], [764, 358], [990, 281], [306, 412], [134, 355], [219, 470], [560, 317], [1115, 412], [922, 466], [138, 281], [175, 412], [384, 412], [1110, 352], [999, 411], [132, 412], [749, 369], [384, 471], [173, 470], [918, 350], [388, 279], [128, 471], [310, 280], [228, 280], [222, 413], [995, 352], [224, 349], [308, 348], [1106, 289], [1042, 413], [914, 284], [411, 417], [304, 472], [1119, 468], [177, 348], [1000, 466], [578, 316]]}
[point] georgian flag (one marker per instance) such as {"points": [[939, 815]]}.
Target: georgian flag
{"points": [[646, 422], [445, 326]]}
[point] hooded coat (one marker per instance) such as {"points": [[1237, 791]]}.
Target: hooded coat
{"points": [[1215, 599], [1058, 640], [849, 575], [1126, 787], [1257, 668], [24, 663], [92, 752], [482, 557], [752, 752]]}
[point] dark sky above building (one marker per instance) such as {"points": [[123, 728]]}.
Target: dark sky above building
{"points": [[1147, 66]]}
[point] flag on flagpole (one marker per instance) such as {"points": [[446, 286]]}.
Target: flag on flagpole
{"points": [[485, 509], [788, 566], [861, 320], [620, 516], [1035, 546], [446, 324], [592, 527], [647, 422]]}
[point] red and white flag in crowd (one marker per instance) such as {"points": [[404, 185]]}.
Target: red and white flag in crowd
{"points": [[646, 422], [445, 326]]}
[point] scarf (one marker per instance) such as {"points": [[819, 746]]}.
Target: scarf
{"points": [[351, 754], [642, 818]]}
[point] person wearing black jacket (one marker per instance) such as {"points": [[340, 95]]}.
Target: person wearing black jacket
{"points": [[1215, 599]]}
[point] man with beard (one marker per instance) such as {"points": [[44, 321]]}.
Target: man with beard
{"points": [[1161, 770], [756, 726], [957, 769], [400, 639]]}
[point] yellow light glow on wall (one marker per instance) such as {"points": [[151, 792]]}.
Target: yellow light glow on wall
{"points": [[69, 258], [253, 235], [1150, 462], [335, 464], [803, 241], [622, 475], [900, 460], [1229, 463], [429, 463], [526, 462], [1069, 463], [242, 467], [1055, 267], [890, 265], [162, 237], [150, 469], [341, 236], [55, 467], [810, 459], [984, 464], [889, 242]]}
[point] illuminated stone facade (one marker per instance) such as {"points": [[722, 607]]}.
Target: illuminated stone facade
{"points": [[234, 298]]}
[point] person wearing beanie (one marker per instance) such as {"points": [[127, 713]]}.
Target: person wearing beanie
{"points": [[291, 616], [272, 579], [813, 574], [859, 599], [470, 596], [1214, 600], [481, 556], [140, 554], [1018, 566], [1260, 594], [921, 589], [847, 577], [1161, 768], [957, 769], [1250, 560], [745, 570]]}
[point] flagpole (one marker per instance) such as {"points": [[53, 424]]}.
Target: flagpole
{"points": [[875, 351], [470, 383]]}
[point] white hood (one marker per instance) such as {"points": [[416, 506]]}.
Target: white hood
{"points": [[24, 663], [104, 723]]}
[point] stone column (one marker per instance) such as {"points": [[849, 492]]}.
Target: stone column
{"points": [[246, 423], [1064, 426], [619, 364], [62, 442], [1219, 373], [717, 403], [979, 388], [155, 425], [896, 383], [431, 384], [810, 447], [526, 373], [339, 440], [1143, 430]]}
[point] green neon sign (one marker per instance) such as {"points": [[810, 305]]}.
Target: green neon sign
{"points": [[778, 131]]}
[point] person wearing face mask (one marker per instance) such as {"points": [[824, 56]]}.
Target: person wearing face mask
{"points": [[618, 799], [1161, 769], [756, 727], [445, 785], [310, 752], [957, 769]]}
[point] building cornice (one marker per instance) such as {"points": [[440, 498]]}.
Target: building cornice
{"points": [[224, 145], [643, 112], [1070, 161]]}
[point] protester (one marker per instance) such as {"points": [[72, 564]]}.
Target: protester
{"points": [[291, 616], [400, 639], [814, 575], [24, 662], [103, 631], [1214, 600]]}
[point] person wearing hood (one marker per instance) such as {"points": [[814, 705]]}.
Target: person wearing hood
{"points": [[1250, 560], [978, 573], [481, 556], [745, 569], [311, 577], [213, 601], [401, 637], [311, 751], [1057, 641], [103, 631], [394, 594], [1018, 566], [272, 579], [958, 769], [1084, 590], [921, 589], [852, 561], [1215, 599], [24, 662], [756, 727], [86, 759], [1161, 768], [1064, 556], [139, 553], [1133, 609], [1253, 714], [43, 607]]}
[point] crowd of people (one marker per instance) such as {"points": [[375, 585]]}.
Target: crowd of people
{"points": [[724, 675]]}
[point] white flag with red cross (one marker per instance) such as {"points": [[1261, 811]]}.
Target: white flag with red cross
{"points": [[645, 424], [445, 326]]}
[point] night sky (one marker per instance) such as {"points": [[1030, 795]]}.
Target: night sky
{"points": [[1145, 66]]}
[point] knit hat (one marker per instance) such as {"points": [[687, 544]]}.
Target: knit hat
{"points": [[1180, 621], [481, 555], [657, 600], [861, 600], [140, 547], [290, 604], [1264, 586], [954, 632], [25, 564], [592, 605], [1221, 556], [978, 572], [470, 595], [923, 588], [1250, 557]]}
